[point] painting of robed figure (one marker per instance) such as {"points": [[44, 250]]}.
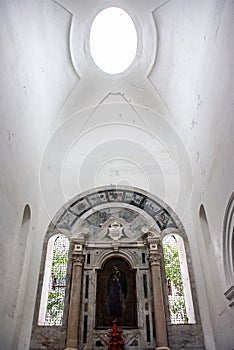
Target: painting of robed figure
{"points": [[116, 295]]}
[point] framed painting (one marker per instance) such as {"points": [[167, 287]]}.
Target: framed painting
{"points": [[116, 295]]}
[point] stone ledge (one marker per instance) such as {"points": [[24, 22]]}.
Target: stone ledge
{"points": [[185, 336]]}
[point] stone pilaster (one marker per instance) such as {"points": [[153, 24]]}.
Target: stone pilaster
{"points": [[75, 296], [155, 257]]}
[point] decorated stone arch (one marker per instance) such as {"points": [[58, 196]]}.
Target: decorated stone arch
{"points": [[115, 236]]}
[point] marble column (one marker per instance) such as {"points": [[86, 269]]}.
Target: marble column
{"points": [[155, 257], [75, 297]]}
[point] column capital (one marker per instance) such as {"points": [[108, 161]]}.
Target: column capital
{"points": [[155, 258], [78, 259]]}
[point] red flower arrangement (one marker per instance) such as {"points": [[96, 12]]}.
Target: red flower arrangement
{"points": [[116, 340]]}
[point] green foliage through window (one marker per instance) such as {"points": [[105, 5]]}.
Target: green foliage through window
{"points": [[56, 294], [175, 285]]}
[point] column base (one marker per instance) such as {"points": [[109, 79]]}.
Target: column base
{"points": [[162, 348]]}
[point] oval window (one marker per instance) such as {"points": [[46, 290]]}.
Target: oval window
{"points": [[113, 40]]}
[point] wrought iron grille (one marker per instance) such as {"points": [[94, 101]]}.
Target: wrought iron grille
{"points": [[57, 283], [174, 281]]}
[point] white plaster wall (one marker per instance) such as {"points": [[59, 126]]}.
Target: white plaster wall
{"points": [[33, 64], [199, 61], [62, 134]]}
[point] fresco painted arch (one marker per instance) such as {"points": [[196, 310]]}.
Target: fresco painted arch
{"points": [[136, 198]]}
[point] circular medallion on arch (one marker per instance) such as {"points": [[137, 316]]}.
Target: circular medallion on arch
{"points": [[113, 40]]}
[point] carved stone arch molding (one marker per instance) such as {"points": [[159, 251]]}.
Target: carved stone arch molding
{"points": [[162, 215], [129, 257]]}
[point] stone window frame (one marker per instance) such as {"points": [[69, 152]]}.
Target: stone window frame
{"points": [[228, 250], [185, 276], [43, 288]]}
